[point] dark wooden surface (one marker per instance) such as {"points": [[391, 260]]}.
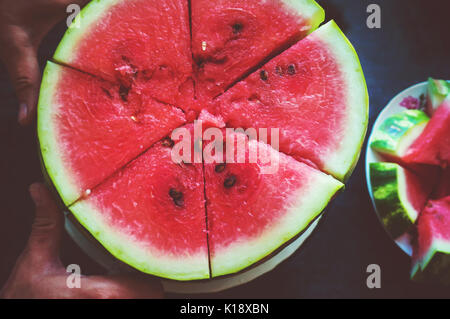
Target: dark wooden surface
{"points": [[411, 45]]}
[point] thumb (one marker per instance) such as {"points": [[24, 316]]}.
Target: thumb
{"points": [[20, 58], [46, 231]]}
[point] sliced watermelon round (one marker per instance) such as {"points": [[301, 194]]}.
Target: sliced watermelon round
{"points": [[397, 133], [431, 258], [399, 195], [89, 128], [433, 145], [437, 92], [151, 215], [231, 37], [135, 42], [314, 93], [254, 208]]}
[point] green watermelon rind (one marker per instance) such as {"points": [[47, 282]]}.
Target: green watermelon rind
{"points": [[88, 17], [438, 91], [434, 266], [391, 199], [134, 253], [240, 255], [398, 132], [308, 9], [60, 174], [342, 162]]}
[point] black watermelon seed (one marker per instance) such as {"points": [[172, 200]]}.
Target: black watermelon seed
{"points": [[264, 75], [179, 202], [291, 69], [123, 92], [237, 28], [167, 142], [279, 70], [107, 92], [220, 168], [230, 181], [175, 194]]}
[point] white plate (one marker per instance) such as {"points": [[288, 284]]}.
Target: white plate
{"points": [[392, 108], [191, 287]]}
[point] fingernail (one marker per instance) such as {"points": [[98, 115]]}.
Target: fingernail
{"points": [[23, 111], [35, 193]]}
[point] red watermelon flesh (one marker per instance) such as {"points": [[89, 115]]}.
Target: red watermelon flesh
{"points": [[230, 37], [431, 254], [443, 187], [433, 145], [314, 92], [152, 214], [137, 43], [244, 226], [89, 128]]}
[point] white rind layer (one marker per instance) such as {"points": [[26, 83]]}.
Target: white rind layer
{"points": [[306, 9], [341, 162]]}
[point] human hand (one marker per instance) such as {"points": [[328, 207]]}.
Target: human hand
{"points": [[40, 274], [23, 24]]}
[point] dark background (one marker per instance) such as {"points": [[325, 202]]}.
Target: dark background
{"points": [[412, 44]]}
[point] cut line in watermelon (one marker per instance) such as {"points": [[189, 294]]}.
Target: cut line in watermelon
{"points": [[315, 93]]}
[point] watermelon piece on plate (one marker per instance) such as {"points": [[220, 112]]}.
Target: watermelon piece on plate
{"points": [[399, 195], [433, 145], [151, 215], [431, 257], [277, 198], [437, 92], [138, 43], [230, 37], [314, 93], [396, 134], [89, 128]]}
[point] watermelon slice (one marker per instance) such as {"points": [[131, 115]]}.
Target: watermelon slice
{"points": [[433, 145], [89, 128], [255, 207], [399, 195], [151, 215], [431, 258], [437, 92], [396, 134], [315, 93], [136, 43], [230, 37]]}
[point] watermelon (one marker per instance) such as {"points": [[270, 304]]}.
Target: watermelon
{"points": [[443, 186], [151, 215], [396, 134], [399, 195], [437, 92], [255, 207], [231, 37], [431, 257], [433, 145], [89, 128], [138, 43], [315, 93]]}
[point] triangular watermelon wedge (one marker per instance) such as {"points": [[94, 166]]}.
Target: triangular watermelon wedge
{"points": [[89, 128], [314, 93], [151, 215], [433, 145], [138, 43], [431, 257], [230, 37], [253, 208]]}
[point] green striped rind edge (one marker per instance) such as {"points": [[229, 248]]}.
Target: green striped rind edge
{"points": [[342, 162], [398, 132], [52, 156], [308, 9], [307, 205], [438, 91], [390, 196], [435, 266], [132, 252], [85, 21]]}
